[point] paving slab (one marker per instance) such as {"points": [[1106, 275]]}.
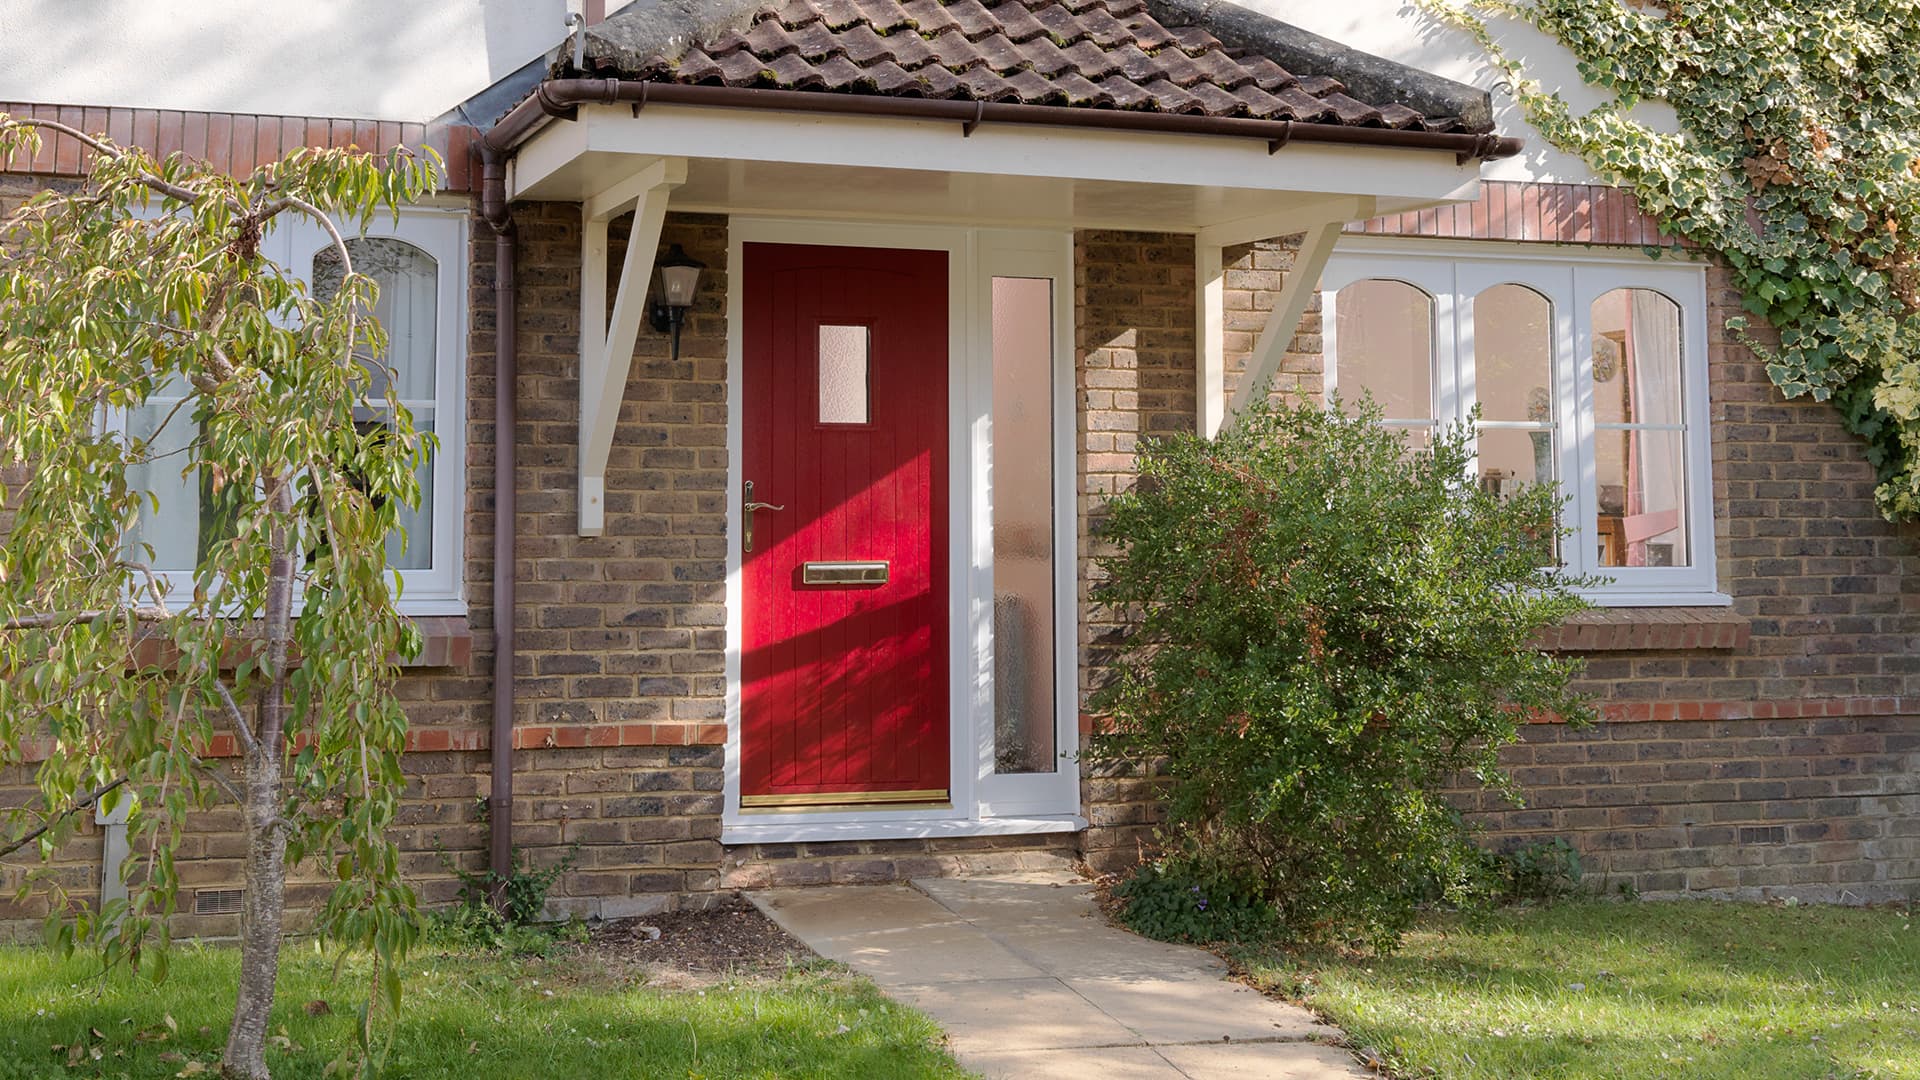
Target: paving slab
{"points": [[1262, 1061], [1016, 1014], [1196, 1009], [1112, 1063], [1030, 980]]}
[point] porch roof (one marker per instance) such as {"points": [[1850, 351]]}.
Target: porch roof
{"points": [[1186, 57]]}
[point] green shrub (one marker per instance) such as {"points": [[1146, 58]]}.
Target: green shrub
{"points": [[1321, 629], [1540, 872], [1182, 900], [510, 927]]}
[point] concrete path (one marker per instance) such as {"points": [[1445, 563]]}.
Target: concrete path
{"points": [[1031, 982]]}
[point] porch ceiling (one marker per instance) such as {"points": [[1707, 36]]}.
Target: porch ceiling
{"points": [[1231, 189]]}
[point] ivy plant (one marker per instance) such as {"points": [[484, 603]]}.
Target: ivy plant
{"points": [[147, 290], [1797, 164]]}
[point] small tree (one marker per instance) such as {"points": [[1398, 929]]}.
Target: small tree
{"points": [[150, 280], [1322, 629]]}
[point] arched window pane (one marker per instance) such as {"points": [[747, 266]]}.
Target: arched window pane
{"points": [[1641, 453], [1383, 344], [1512, 353], [408, 310]]}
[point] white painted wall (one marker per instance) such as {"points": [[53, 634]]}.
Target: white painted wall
{"points": [[1397, 30], [378, 59], [414, 59]]}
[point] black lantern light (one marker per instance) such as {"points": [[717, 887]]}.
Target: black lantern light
{"points": [[679, 278]]}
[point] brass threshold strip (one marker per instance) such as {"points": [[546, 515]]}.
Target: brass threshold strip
{"points": [[828, 800]]}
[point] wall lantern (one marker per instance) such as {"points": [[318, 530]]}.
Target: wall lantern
{"points": [[679, 278]]}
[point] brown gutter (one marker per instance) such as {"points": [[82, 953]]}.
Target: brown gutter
{"points": [[562, 97], [493, 208]]}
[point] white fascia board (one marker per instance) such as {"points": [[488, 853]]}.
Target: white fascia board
{"points": [[998, 149], [544, 154]]}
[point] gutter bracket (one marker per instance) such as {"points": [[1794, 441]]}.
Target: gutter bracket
{"points": [[642, 102], [979, 114], [1286, 135]]}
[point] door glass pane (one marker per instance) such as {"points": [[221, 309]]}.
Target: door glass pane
{"points": [[1022, 499], [1383, 335], [1640, 456], [407, 309], [843, 374]]}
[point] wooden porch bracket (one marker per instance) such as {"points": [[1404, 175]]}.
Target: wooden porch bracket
{"points": [[1295, 294], [606, 348], [1322, 220]]}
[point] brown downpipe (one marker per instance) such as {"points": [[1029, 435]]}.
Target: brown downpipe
{"points": [[493, 208], [561, 97]]}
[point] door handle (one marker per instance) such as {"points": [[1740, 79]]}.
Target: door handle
{"points": [[747, 507]]}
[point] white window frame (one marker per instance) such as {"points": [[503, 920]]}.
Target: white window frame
{"points": [[1454, 274], [442, 234], [982, 803]]}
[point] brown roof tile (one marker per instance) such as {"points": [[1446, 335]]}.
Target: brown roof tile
{"points": [[1111, 54]]}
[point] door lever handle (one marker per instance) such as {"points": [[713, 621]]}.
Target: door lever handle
{"points": [[747, 507]]}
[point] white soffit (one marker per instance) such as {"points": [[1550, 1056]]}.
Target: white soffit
{"points": [[809, 164]]}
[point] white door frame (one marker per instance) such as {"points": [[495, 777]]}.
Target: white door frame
{"points": [[982, 803]]}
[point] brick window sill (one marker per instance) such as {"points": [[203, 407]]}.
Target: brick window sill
{"points": [[1649, 629], [448, 642]]}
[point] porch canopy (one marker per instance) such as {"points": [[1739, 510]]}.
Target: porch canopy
{"points": [[1190, 116]]}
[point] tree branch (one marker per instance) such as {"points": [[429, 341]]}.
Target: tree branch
{"points": [[84, 803], [186, 195], [238, 719], [141, 613]]}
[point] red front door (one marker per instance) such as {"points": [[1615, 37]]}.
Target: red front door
{"points": [[844, 670]]}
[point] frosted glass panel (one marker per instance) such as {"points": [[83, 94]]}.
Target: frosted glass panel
{"points": [[1022, 493], [1383, 334], [843, 374]]}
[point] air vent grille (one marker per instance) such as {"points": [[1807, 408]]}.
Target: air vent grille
{"points": [[217, 901], [1763, 834]]}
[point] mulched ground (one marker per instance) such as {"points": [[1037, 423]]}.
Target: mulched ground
{"points": [[732, 939]]}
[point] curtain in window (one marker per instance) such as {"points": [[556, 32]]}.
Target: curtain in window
{"points": [[1655, 462], [408, 310]]}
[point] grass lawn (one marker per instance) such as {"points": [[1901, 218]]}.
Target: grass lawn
{"points": [[467, 1014], [1623, 990]]}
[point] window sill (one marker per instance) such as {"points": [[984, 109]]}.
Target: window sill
{"points": [[1649, 629], [447, 642]]}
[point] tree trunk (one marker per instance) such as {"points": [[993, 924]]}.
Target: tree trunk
{"points": [[266, 885], [261, 910]]}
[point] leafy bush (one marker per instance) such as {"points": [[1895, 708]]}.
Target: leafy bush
{"points": [[509, 927], [1540, 872], [1321, 629], [1182, 900]]}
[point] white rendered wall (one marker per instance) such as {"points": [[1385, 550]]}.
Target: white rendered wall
{"points": [[1397, 30], [407, 60]]}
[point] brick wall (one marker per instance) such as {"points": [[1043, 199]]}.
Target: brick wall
{"points": [[1778, 757], [1788, 762]]}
